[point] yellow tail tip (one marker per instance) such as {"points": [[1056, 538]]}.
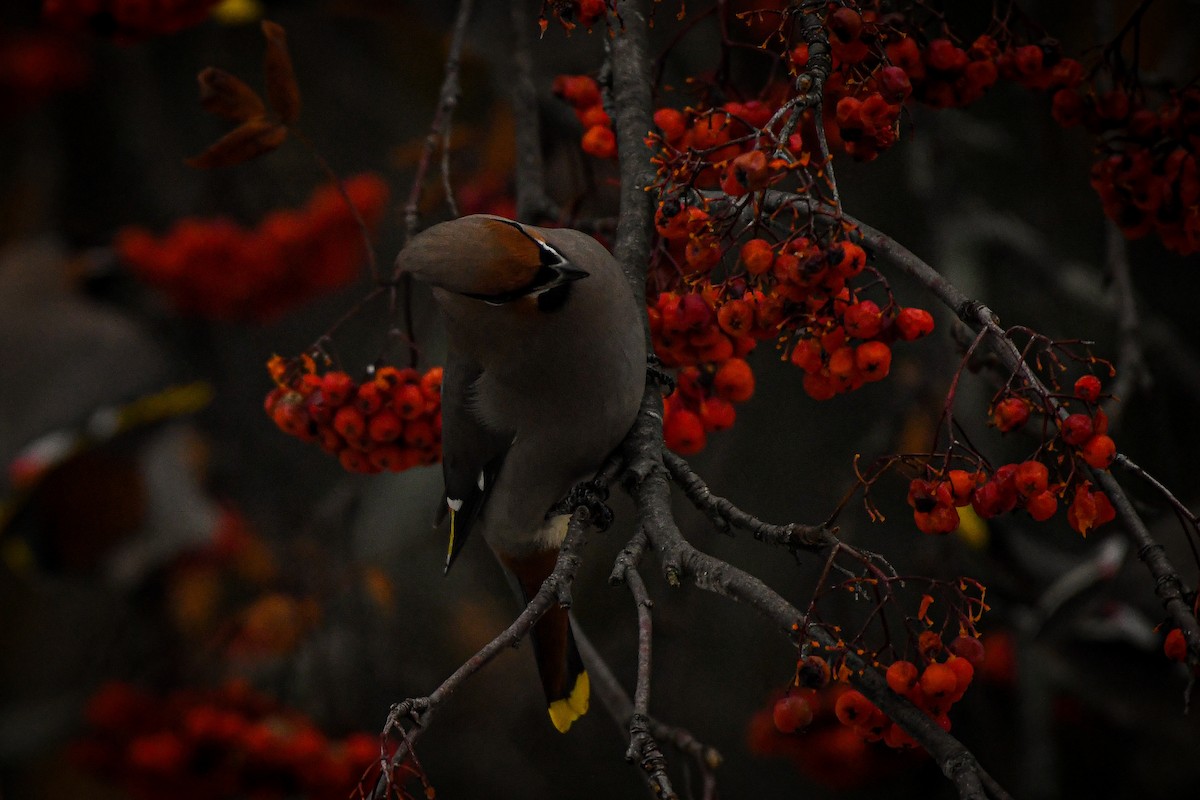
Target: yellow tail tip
{"points": [[565, 711]]}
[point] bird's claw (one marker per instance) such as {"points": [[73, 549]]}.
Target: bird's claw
{"points": [[590, 495], [659, 376]]}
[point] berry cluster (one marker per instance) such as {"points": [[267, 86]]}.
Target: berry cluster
{"points": [[571, 12], [391, 421], [934, 687], [941, 680], [231, 742], [127, 20], [1147, 175], [935, 499], [583, 94], [219, 270], [797, 289], [828, 752]]}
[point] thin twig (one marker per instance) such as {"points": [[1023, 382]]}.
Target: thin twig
{"points": [[794, 536], [440, 126], [532, 201]]}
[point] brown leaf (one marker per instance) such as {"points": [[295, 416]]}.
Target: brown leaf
{"points": [[282, 92], [248, 140], [226, 96]]}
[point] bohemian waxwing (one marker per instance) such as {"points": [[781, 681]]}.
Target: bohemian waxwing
{"points": [[545, 371]]}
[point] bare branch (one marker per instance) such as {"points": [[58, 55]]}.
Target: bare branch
{"points": [[1167, 583], [723, 513], [440, 126]]}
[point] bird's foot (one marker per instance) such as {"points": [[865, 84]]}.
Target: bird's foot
{"points": [[659, 376], [590, 495]]}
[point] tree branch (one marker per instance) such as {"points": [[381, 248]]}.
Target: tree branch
{"points": [[440, 126], [1167, 583]]}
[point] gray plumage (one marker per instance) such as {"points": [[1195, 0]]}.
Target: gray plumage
{"points": [[545, 373]]}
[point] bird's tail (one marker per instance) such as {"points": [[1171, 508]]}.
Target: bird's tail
{"points": [[564, 679]]}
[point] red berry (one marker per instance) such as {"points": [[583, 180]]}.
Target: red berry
{"points": [[734, 381], [757, 255], [873, 360], [350, 423], [683, 432], [968, 647], [672, 123], [1099, 451], [1010, 413], [599, 141], [792, 713], [1042, 505], [1088, 388], [385, 426], [929, 644], [408, 401], [1031, 477], [369, 398], [717, 414], [1175, 647], [852, 708], [863, 320], [938, 680], [902, 677], [913, 323], [1077, 429]]}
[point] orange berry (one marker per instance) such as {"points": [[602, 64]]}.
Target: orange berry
{"points": [[349, 422], [964, 671], [853, 709], [1077, 429], [683, 432], [929, 644], [337, 387], [369, 398], [672, 123], [599, 141], [717, 414], [1042, 505], [938, 680], [408, 401], [384, 426], [757, 255], [1175, 646], [1099, 451], [873, 360], [902, 677], [1031, 477], [841, 362], [852, 261], [734, 381], [792, 713], [418, 433], [1010, 413], [913, 323], [1088, 388]]}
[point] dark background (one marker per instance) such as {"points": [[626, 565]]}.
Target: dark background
{"points": [[996, 197]]}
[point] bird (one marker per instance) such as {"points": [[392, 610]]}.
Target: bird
{"points": [[545, 371]]}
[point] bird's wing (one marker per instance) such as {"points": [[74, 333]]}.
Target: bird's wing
{"points": [[471, 457]]}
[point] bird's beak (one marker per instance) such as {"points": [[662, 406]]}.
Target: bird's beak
{"points": [[568, 272]]}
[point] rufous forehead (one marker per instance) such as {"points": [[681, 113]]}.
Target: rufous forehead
{"points": [[508, 258]]}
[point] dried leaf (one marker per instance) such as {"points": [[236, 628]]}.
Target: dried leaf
{"points": [[249, 140], [226, 96], [282, 92]]}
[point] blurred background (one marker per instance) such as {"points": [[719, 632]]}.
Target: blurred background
{"points": [[174, 570]]}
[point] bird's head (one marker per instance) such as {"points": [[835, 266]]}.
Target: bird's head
{"points": [[492, 260]]}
